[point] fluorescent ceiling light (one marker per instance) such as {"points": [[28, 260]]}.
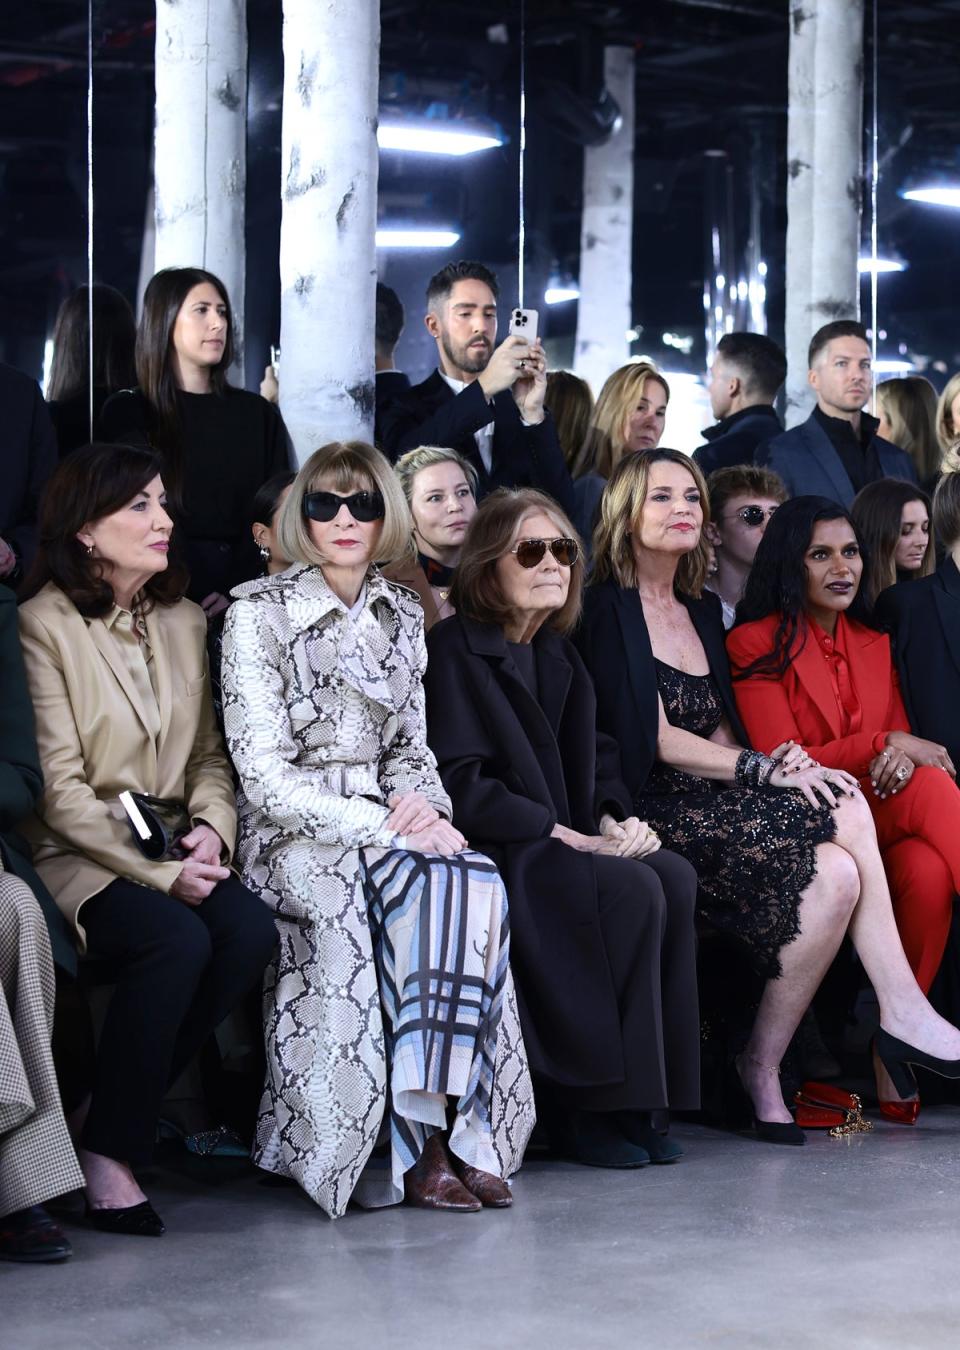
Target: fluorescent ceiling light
{"points": [[559, 295], [883, 265], [416, 238], [935, 196], [433, 140], [892, 366]]}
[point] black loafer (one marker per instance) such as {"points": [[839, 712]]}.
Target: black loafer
{"points": [[133, 1220], [31, 1235]]}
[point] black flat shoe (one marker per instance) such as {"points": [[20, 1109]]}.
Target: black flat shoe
{"points": [[637, 1127], [133, 1220], [896, 1057], [594, 1139], [31, 1235]]}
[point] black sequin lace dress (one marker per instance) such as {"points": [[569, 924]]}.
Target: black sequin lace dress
{"points": [[753, 848]]}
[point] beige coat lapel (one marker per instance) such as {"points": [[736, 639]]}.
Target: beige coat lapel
{"points": [[103, 640], [160, 645]]}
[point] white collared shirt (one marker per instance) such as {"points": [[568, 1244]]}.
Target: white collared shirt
{"points": [[484, 436]]}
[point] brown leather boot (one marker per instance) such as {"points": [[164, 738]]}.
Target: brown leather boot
{"points": [[489, 1190], [432, 1183]]}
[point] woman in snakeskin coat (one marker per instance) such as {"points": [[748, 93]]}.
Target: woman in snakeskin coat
{"points": [[390, 1013]]}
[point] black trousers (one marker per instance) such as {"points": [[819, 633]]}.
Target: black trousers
{"points": [[177, 971], [646, 917]]}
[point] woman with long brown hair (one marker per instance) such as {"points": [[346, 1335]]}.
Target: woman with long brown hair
{"points": [[111, 359], [893, 520], [218, 443]]}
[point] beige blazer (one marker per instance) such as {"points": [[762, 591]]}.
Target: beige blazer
{"points": [[94, 742], [412, 575]]}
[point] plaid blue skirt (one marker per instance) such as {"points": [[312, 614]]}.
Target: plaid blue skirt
{"points": [[441, 945]]}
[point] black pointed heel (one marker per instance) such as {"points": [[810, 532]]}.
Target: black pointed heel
{"points": [[770, 1131], [133, 1220], [896, 1057]]}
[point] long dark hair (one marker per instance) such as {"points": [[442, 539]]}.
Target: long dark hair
{"points": [[777, 583], [114, 336], [877, 511], [162, 301], [85, 487]]}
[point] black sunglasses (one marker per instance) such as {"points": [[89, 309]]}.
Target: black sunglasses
{"points": [[754, 515], [530, 551], [325, 506]]}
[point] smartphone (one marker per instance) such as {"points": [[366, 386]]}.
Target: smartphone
{"points": [[275, 361], [524, 323]]}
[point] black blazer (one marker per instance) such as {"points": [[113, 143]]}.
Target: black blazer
{"points": [[806, 460], [29, 456], [514, 767], [615, 645], [390, 384], [432, 414], [923, 619], [21, 781], [735, 439]]}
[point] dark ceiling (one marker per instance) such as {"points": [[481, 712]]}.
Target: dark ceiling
{"points": [[711, 133]]}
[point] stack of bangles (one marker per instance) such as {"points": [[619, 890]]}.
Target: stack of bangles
{"points": [[753, 769]]}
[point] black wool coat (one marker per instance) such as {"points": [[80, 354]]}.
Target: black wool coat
{"points": [[21, 781], [923, 619], [514, 767], [615, 645]]}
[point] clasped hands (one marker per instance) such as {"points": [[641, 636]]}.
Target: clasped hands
{"points": [[630, 838], [202, 869], [892, 769], [421, 825]]}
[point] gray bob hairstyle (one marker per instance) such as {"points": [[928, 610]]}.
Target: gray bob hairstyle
{"points": [[345, 467]]}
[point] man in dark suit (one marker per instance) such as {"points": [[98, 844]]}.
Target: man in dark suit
{"points": [[745, 378], [836, 451], [485, 402], [28, 452], [390, 381]]}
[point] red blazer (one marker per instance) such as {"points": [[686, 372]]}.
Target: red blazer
{"points": [[800, 706]]}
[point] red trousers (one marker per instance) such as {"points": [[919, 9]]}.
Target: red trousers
{"points": [[918, 831]]}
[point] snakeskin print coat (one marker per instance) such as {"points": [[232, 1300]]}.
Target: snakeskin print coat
{"points": [[324, 717]]}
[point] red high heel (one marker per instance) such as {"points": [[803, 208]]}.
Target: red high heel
{"points": [[901, 1113]]}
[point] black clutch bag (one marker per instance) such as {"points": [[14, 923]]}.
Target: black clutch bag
{"points": [[157, 825]]}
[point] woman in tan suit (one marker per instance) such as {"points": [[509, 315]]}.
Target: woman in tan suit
{"points": [[117, 671], [441, 490]]}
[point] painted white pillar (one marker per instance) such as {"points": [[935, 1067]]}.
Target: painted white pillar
{"points": [[800, 153], [824, 179], [200, 162], [838, 161], [328, 274], [604, 312]]}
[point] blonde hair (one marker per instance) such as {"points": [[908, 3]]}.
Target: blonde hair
{"points": [[606, 441], [947, 434], [621, 508], [425, 457], [351, 466], [910, 408]]}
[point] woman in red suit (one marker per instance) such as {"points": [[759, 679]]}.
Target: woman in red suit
{"points": [[809, 667]]}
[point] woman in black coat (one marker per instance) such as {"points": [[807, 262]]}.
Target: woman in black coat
{"points": [[602, 943], [923, 619]]}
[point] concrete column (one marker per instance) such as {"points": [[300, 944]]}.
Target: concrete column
{"points": [[328, 275], [200, 147], [606, 236]]}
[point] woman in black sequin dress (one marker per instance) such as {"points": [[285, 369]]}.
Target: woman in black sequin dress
{"points": [[785, 849]]}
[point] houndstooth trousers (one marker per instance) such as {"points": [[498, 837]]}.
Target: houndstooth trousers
{"points": [[37, 1160]]}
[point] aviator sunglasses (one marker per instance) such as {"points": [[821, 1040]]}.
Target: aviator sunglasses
{"points": [[754, 515], [530, 551], [325, 506]]}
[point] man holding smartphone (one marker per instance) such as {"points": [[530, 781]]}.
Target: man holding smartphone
{"points": [[482, 400]]}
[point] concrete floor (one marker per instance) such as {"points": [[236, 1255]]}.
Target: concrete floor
{"points": [[852, 1243]]}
